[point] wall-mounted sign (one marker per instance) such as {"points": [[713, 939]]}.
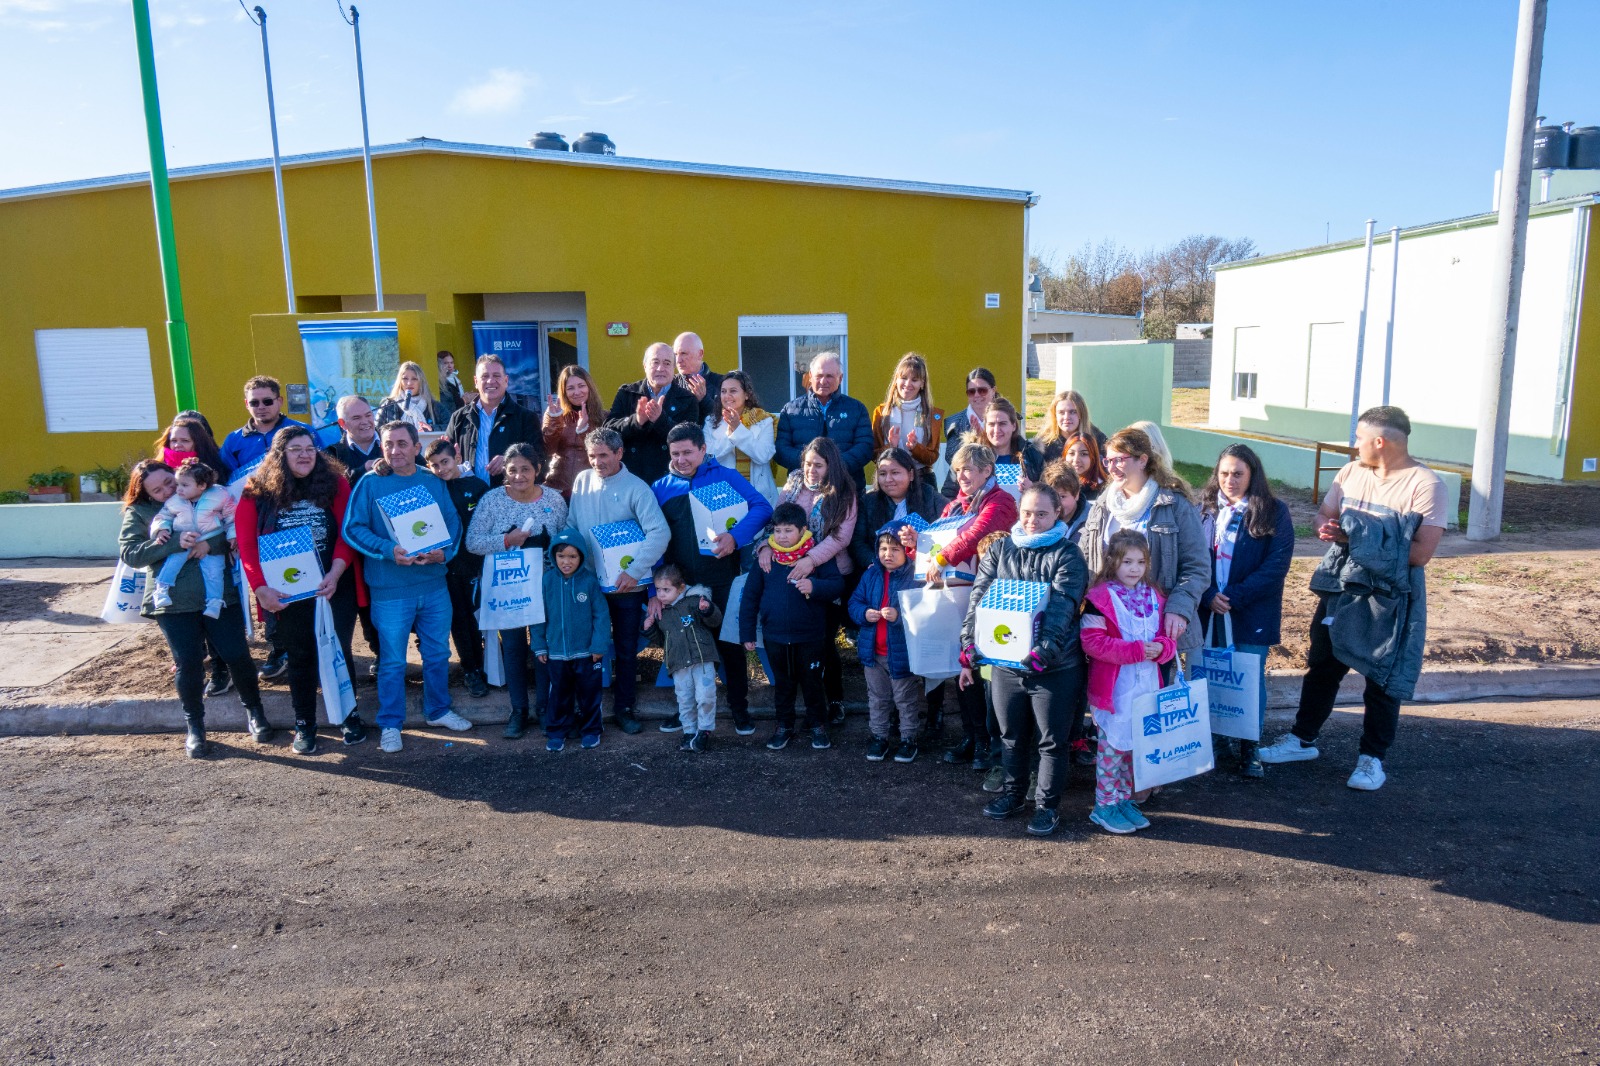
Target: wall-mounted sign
{"points": [[299, 397], [991, 299], [616, 329]]}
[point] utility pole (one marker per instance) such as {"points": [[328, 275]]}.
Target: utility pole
{"points": [[260, 19], [166, 244], [1505, 289], [1361, 332], [354, 21], [1394, 291]]}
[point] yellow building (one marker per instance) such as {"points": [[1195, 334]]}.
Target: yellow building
{"points": [[767, 266]]}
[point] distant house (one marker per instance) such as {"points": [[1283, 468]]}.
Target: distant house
{"points": [[1068, 327]]}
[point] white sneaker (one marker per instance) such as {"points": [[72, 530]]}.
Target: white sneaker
{"points": [[1287, 748], [1369, 775], [213, 609], [162, 597], [452, 720], [389, 740]]}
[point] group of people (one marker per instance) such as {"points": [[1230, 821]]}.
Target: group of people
{"points": [[1143, 571]]}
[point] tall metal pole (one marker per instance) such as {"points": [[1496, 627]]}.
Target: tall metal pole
{"points": [[277, 165], [1361, 332], [354, 20], [1505, 286], [166, 244], [1394, 289]]}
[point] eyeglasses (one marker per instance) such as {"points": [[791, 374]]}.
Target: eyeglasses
{"points": [[1118, 460], [258, 402], [303, 450]]}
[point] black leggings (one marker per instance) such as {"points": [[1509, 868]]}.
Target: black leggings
{"points": [[1035, 712], [187, 634], [297, 629]]}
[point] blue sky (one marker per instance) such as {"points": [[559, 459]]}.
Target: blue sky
{"points": [[1141, 122]]}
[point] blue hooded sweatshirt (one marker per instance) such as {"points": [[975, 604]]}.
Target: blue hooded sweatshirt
{"points": [[577, 623]]}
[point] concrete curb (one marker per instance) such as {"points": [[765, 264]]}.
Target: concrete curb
{"points": [[224, 713]]}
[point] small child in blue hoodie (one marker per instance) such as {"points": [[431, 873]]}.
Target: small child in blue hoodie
{"points": [[881, 644], [572, 640]]}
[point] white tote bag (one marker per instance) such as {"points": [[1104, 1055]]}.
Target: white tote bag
{"points": [[933, 620], [1233, 685], [511, 593], [125, 595], [333, 672], [1171, 735]]}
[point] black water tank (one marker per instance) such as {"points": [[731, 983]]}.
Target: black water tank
{"points": [[1550, 148], [594, 144], [549, 142], [1585, 151]]}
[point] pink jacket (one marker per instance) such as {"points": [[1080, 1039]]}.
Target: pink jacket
{"points": [[1106, 649]]}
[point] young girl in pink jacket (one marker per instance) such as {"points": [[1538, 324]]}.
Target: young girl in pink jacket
{"points": [[1121, 635]]}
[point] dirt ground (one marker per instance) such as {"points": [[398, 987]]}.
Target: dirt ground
{"points": [[477, 900]]}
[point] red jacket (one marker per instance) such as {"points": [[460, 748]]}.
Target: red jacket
{"points": [[1107, 651], [247, 518], [996, 512]]}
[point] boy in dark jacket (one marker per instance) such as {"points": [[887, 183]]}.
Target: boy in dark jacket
{"points": [[793, 617], [881, 644], [464, 571], [571, 640], [687, 631]]}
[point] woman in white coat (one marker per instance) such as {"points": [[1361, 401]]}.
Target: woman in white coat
{"points": [[742, 435]]}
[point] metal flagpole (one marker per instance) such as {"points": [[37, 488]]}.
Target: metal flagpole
{"points": [[1505, 295], [1361, 332], [1394, 290], [260, 19], [166, 243], [354, 20]]}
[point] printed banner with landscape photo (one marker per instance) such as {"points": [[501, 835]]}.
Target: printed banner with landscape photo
{"points": [[354, 356]]}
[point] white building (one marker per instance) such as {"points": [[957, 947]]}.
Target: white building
{"points": [[1068, 327]]}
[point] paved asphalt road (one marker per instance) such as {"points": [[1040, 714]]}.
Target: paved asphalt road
{"points": [[475, 900]]}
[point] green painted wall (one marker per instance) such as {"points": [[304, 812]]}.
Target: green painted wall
{"points": [[1123, 383]]}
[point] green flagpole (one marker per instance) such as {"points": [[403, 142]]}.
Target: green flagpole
{"points": [[177, 328]]}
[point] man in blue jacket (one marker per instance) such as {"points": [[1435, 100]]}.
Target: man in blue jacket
{"points": [[244, 447], [826, 412], [692, 468], [408, 591]]}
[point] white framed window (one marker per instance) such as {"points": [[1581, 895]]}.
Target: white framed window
{"points": [[775, 351], [96, 380], [1244, 386], [1246, 361]]}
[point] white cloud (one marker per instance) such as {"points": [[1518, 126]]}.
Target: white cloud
{"points": [[501, 92], [611, 101]]}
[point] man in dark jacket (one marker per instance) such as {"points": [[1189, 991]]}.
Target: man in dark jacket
{"points": [[450, 399], [826, 412], [483, 431], [692, 470], [644, 411], [694, 375], [358, 446]]}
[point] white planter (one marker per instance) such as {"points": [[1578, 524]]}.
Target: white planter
{"points": [[88, 484]]}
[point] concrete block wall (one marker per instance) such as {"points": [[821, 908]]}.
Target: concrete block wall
{"points": [[1191, 364]]}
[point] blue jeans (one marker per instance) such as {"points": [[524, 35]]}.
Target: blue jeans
{"points": [[212, 571], [429, 613]]}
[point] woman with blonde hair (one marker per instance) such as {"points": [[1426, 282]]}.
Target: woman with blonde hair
{"points": [[741, 435], [570, 413], [907, 418], [1145, 495], [1001, 433], [1068, 417], [410, 400]]}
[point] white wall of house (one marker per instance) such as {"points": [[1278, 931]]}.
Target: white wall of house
{"points": [[1046, 327], [1293, 322]]}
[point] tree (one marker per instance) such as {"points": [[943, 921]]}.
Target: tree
{"points": [[1177, 283]]}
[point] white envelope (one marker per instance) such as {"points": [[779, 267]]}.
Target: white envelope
{"points": [[290, 564], [415, 520], [716, 508]]}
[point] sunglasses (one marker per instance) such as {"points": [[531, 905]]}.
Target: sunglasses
{"points": [[979, 390], [262, 403]]}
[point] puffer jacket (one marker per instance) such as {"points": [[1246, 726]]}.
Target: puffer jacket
{"points": [[1061, 567], [577, 621], [1376, 601], [1180, 558], [135, 548], [993, 512], [687, 634], [868, 596], [845, 421]]}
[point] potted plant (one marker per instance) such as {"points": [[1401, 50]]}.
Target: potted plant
{"points": [[108, 481], [49, 486], [88, 484]]}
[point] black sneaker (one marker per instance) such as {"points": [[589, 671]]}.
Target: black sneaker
{"points": [[687, 743], [1043, 822], [819, 739], [780, 738], [878, 749], [1004, 806], [962, 752], [700, 742], [275, 667], [221, 681], [836, 714], [628, 723], [670, 725], [305, 739], [907, 751], [353, 731], [983, 761], [477, 684], [743, 724]]}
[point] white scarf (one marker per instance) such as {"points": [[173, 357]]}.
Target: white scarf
{"points": [[1230, 516], [1131, 512], [907, 414]]}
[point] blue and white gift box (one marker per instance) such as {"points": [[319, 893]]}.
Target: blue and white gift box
{"points": [[716, 508], [415, 520], [936, 536], [915, 521], [619, 544], [290, 564], [1009, 477], [1007, 621]]}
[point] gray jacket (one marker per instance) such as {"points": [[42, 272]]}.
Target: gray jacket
{"points": [[1376, 600], [1180, 558]]}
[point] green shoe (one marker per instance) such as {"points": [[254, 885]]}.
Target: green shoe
{"points": [[1133, 815], [995, 780], [1111, 820]]}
